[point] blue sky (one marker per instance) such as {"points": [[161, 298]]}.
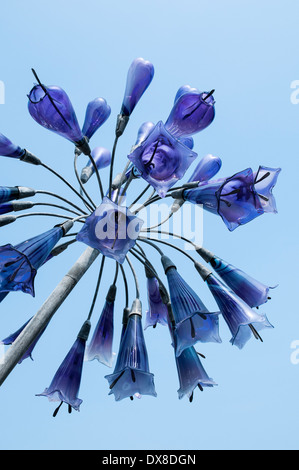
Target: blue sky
{"points": [[247, 51]]}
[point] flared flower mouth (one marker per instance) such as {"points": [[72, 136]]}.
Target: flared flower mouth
{"points": [[16, 271], [59, 396], [129, 381], [37, 94], [247, 330]]}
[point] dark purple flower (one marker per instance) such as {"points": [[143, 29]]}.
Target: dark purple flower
{"points": [[264, 181], [102, 159], [51, 108], [111, 229], [157, 312], [192, 112], [206, 169], [97, 113], [193, 322], [161, 159], [8, 149], [67, 380], [235, 199], [100, 346], [191, 373], [140, 75], [132, 375]]}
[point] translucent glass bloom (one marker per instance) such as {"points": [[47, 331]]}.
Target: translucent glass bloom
{"points": [[237, 314], [100, 346], [161, 159], [206, 169], [144, 131], [11, 339], [102, 158], [8, 149], [235, 199], [111, 229], [253, 292], [157, 311], [264, 181], [19, 263], [191, 373], [193, 321], [140, 75], [66, 383], [132, 375], [192, 112], [97, 113], [51, 108]]}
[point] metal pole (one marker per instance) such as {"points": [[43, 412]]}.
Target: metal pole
{"points": [[46, 312]]}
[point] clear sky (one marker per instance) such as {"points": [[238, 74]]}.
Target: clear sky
{"points": [[248, 52]]}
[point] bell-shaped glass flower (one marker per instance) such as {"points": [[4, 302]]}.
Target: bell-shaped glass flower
{"points": [[264, 181], [51, 108], [19, 263], [12, 338], [192, 112], [234, 199], [132, 375], [102, 158], [111, 229], [97, 113], [8, 149], [100, 347], [191, 374], [206, 169], [242, 320], [161, 159], [253, 292], [157, 311], [140, 75], [193, 322], [66, 383]]}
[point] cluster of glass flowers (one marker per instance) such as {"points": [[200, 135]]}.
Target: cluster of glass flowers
{"points": [[161, 156]]}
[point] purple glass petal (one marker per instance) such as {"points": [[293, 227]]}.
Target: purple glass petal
{"points": [[54, 111], [187, 141], [185, 89], [97, 113], [206, 169], [253, 292], [140, 75], [157, 312], [191, 373], [16, 271], [100, 347], [161, 159], [67, 380], [192, 113], [131, 374], [111, 229], [101, 156], [237, 314], [193, 321], [8, 149], [144, 131], [264, 181]]}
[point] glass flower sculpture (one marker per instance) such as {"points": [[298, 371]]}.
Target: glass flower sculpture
{"points": [[115, 229]]}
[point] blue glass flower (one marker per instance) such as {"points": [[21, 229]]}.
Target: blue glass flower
{"points": [[187, 141], [192, 112], [140, 75], [19, 263], [264, 181], [242, 321], [8, 149], [144, 131], [161, 159], [157, 311], [11, 339], [111, 229], [100, 346], [235, 199], [193, 321], [51, 108], [8, 194], [191, 374], [66, 383], [206, 169], [97, 113], [102, 158], [132, 375]]}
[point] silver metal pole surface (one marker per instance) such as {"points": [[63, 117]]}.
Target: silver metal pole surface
{"points": [[46, 312]]}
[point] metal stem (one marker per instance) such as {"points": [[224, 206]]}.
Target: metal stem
{"points": [[46, 312]]}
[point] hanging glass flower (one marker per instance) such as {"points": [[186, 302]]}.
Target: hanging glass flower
{"points": [[264, 181], [102, 159], [8, 149], [97, 113], [206, 169], [140, 75], [157, 311]]}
